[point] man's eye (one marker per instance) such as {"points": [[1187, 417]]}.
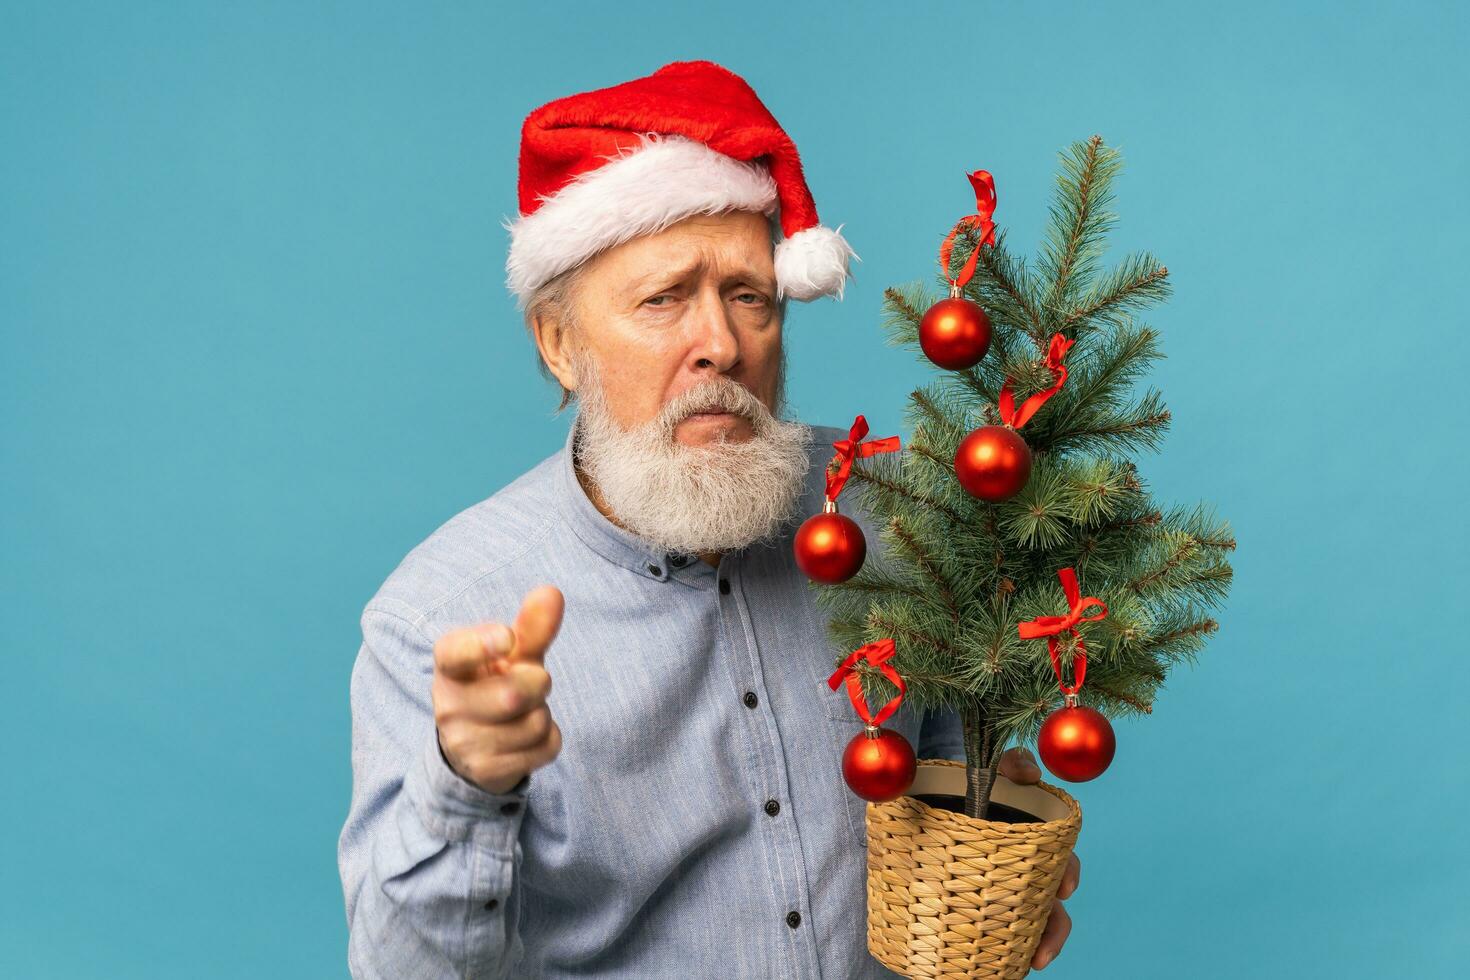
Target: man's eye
{"points": [[659, 296], [756, 296]]}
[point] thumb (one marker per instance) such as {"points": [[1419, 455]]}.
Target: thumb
{"points": [[537, 623], [1018, 765]]}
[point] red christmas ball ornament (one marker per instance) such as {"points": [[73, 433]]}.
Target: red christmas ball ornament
{"points": [[830, 547], [993, 463], [955, 333], [879, 764], [1076, 742]]}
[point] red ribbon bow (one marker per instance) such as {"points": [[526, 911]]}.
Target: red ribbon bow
{"points": [[854, 448], [1056, 350], [984, 186], [1053, 626], [877, 655]]}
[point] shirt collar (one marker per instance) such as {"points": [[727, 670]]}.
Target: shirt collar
{"points": [[616, 544]]}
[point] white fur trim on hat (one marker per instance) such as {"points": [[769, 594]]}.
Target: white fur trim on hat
{"points": [[639, 192], [812, 263]]}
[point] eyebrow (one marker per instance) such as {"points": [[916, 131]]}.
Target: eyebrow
{"points": [[679, 275]]}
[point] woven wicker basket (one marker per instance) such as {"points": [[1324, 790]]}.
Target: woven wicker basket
{"points": [[950, 896]]}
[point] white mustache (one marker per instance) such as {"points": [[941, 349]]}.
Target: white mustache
{"points": [[716, 396]]}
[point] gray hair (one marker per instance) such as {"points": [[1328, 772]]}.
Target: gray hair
{"points": [[556, 299]]}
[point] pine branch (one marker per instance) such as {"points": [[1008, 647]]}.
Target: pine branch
{"points": [[919, 449], [902, 317], [1141, 520], [1140, 281], [1140, 427], [1038, 517], [938, 680], [869, 586], [1097, 383], [1080, 219], [1200, 523], [888, 627], [1183, 550], [1185, 633], [930, 410], [1010, 281], [1203, 627], [1141, 706], [1079, 223], [1210, 584], [925, 561], [974, 381], [901, 303], [1005, 587], [1099, 488], [865, 475]]}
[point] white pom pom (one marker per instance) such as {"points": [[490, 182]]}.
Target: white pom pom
{"points": [[812, 263]]}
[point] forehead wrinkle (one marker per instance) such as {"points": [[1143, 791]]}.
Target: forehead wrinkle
{"points": [[665, 274], [742, 273]]}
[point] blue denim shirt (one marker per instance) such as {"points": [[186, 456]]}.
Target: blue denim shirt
{"points": [[695, 823]]}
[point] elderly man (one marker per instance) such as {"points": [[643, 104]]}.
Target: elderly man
{"points": [[673, 806]]}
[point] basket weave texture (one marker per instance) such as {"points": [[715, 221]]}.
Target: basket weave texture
{"points": [[953, 897]]}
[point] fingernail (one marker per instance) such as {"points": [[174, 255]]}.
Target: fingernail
{"points": [[1041, 960]]}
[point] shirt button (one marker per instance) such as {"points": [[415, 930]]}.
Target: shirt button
{"points": [[724, 586], [793, 918], [773, 807], [655, 571], [510, 808], [490, 905], [678, 561], [751, 700]]}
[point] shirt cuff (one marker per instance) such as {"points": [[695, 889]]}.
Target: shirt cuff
{"points": [[454, 808]]}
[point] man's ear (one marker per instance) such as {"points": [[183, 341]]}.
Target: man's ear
{"points": [[553, 341]]}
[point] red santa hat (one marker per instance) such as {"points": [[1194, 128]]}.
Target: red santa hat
{"points": [[602, 167]]}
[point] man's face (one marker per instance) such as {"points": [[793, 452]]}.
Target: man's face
{"points": [[676, 359], [663, 313]]}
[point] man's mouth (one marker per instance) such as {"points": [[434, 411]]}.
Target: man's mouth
{"points": [[711, 413]]}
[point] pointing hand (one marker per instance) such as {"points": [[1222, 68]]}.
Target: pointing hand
{"points": [[489, 690]]}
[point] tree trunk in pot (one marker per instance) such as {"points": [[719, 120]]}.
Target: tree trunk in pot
{"points": [[981, 753]]}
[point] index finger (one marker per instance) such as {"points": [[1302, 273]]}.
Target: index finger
{"points": [[461, 654], [537, 623]]}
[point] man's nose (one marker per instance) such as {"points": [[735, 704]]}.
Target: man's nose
{"points": [[713, 341]]}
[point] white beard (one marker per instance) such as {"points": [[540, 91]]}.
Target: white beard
{"points": [[718, 497]]}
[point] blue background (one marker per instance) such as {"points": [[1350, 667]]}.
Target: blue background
{"points": [[256, 345]]}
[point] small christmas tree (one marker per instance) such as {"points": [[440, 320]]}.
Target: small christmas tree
{"points": [[960, 574]]}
